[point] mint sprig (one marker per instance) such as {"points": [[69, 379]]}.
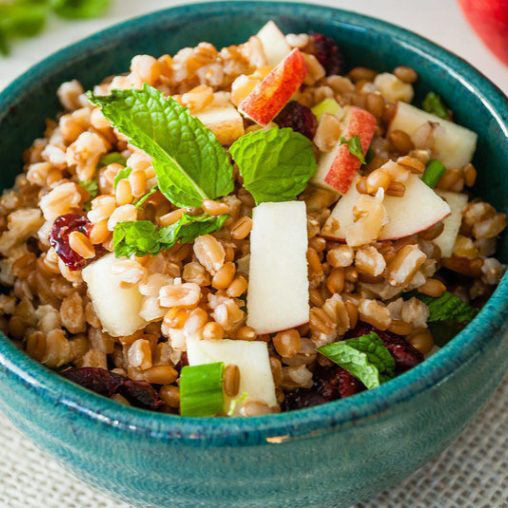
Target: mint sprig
{"points": [[190, 164], [275, 164], [354, 146], [365, 357], [448, 307], [144, 237]]}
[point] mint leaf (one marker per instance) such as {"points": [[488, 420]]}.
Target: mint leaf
{"points": [[80, 9], [433, 103], [191, 165], [355, 147], [136, 239], [113, 157], [144, 237], [142, 199], [448, 307], [189, 227], [121, 175], [365, 357], [91, 186], [275, 164]]}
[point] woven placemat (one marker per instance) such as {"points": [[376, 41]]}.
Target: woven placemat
{"points": [[473, 472]]}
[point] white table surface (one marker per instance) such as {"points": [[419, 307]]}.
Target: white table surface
{"points": [[471, 473]]}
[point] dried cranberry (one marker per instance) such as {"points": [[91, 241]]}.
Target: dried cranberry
{"points": [[103, 382], [336, 383], [302, 398], [300, 118], [140, 394], [184, 361], [405, 355], [97, 380], [59, 239], [328, 54]]}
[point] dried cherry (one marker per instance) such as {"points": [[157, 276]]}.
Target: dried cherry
{"points": [[299, 118], [328, 53], [59, 238], [101, 381]]}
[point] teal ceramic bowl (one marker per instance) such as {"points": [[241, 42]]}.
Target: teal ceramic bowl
{"points": [[331, 455]]}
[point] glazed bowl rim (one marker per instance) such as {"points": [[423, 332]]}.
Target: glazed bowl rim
{"points": [[279, 427]]}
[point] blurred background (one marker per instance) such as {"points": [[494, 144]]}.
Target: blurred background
{"points": [[442, 21], [473, 472]]}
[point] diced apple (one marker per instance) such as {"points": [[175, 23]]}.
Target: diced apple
{"points": [[278, 295], [274, 43], [327, 105], [454, 145], [224, 121], [117, 307], [446, 240], [419, 209], [337, 168], [270, 95], [251, 358]]}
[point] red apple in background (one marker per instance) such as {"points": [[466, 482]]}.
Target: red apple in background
{"points": [[489, 18]]}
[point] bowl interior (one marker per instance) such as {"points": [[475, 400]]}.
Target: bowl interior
{"points": [[476, 104]]}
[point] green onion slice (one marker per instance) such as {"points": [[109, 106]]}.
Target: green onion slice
{"points": [[201, 390], [433, 172], [433, 103]]}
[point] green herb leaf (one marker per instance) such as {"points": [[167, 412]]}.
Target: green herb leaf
{"points": [[275, 164], [448, 307], [433, 103], [191, 165], [136, 238], [365, 357], [80, 9], [121, 175], [201, 390], [144, 237], [91, 186], [142, 199], [433, 172], [355, 147], [189, 227], [113, 157]]}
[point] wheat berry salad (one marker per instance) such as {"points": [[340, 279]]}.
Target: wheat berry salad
{"points": [[246, 231]]}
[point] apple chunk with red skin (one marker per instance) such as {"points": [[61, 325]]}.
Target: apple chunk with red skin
{"points": [[337, 168], [417, 210], [278, 294], [269, 96]]}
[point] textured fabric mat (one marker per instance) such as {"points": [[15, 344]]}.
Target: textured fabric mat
{"points": [[473, 472]]}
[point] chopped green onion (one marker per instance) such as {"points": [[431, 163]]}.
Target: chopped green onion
{"points": [[121, 175], [201, 390], [433, 172], [113, 157], [434, 104], [143, 198]]}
